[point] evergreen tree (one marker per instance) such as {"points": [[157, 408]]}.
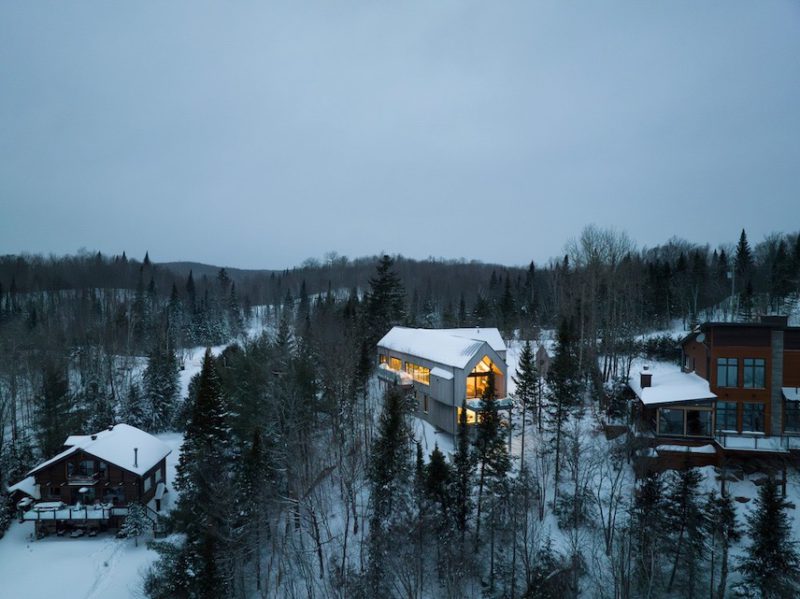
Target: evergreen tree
{"points": [[55, 415], [648, 524], [136, 522], [464, 472], [527, 380], [204, 478], [491, 450], [133, 411], [770, 564], [564, 386], [686, 520], [385, 303], [161, 385], [390, 475], [723, 529]]}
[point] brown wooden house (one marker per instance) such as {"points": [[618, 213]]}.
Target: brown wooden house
{"points": [[737, 392], [95, 477]]}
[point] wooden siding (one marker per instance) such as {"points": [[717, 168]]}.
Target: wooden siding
{"points": [[132, 486]]}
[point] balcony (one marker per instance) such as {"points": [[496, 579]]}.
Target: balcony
{"points": [[395, 377], [757, 442], [78, 478]]}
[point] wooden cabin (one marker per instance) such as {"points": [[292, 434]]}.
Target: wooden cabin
{"points": [[95, 478]]}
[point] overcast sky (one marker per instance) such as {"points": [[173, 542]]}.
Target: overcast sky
{"points": [[257, 134]]}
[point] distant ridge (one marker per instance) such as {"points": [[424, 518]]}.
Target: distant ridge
{"points": [[199, 270]]}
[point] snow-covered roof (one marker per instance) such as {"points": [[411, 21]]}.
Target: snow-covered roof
{"points": [[490, 335], [116, 445], [791, 393], [27, 486], [442, 373], [670, 385], [436, 345]]}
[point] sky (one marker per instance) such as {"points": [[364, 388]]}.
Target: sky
{"points": [[259, 134]]}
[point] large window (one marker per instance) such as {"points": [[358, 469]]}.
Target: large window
{"points": [[753, 417], [420, 374], [754, 373], [791, 422], [478, 379], [698, 423], [727, 416], [727, 372], [685, 422], [670, 422], [395, 364]]}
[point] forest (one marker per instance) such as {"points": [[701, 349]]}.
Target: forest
{"points": [[298, 477]]}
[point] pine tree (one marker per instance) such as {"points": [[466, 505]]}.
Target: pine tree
{"points": [[136, 522], [723, 529], [771, 563], [464, 472], [54, 414], [491, 451], [564, 386], [648, 523], [686, 520], [744, 258], [204, 478], [133, 411], [527, 380], [390, 474], [385, 301], [161, 385]]}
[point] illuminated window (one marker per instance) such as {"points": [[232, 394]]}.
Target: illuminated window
{"points": [[471, 416], [395, 364], [419, 373], [478, 379], [381, 359], [754, 373]]}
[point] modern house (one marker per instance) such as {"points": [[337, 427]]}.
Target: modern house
{"points": [[92, 481], [737, 391], [444, 368]]}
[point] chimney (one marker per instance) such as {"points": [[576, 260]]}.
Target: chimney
{"points": [[94, 437], [645, 377], [135, 457]]}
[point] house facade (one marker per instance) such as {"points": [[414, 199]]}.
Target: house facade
{"points": [[95, 478], [737, 390], [443, 369]]}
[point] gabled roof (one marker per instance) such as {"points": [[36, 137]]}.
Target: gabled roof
{"points": [[670, 385], [115, 445], [437, 345], [27, 486], [491, 335]]}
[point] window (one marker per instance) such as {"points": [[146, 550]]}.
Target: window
{"points": [[419, 373], [754, 377], [753, 417], [158, 475], [102, 468], [86, 468], [472, 416], [727, 372], [670, 422], [425, 403], [727, 416], [148, 482], [55, 492], [381, 359], [395, 364], [791, 421], [698, 423]]}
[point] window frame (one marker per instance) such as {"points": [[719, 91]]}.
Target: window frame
{"points": [[746, 416], [731, 406], [731, 364], [757, 365]]}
